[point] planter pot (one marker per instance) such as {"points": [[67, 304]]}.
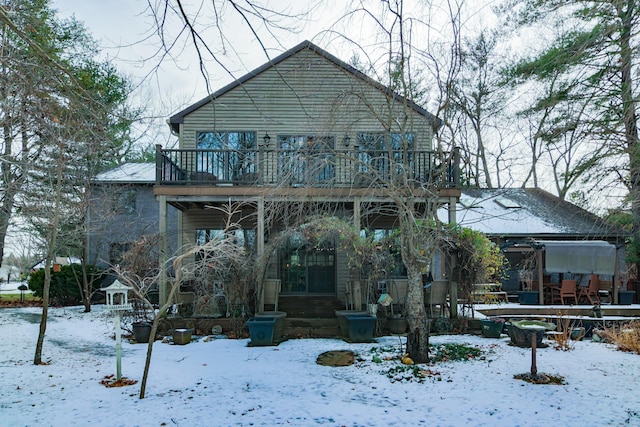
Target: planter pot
{"points": [[261, 330], [279, 326], [491, 328], [577, 333], [625, 297], [360, 328], [182, 336], [397, 325], [141, 331], [528, 297], [342, 320]]}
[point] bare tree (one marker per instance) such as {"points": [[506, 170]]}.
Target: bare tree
{"points": [[479, 96]]}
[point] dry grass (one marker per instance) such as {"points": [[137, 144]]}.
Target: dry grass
{"points": [[562, 338], [626, 336]]}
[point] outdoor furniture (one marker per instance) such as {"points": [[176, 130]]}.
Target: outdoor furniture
{"points": [[605, 290], [488, 293], [592, 291], [552, 293], [568, 290], [436, 295]]}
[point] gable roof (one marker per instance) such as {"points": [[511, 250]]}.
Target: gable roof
{"points": [[175, 120], [519, 213]]}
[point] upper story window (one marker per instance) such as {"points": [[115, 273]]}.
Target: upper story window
{"points": [[306, 159], [231, 157], [386, 141], [378, 151]]}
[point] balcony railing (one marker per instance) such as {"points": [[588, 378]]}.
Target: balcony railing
{"points": [[355, 168]]}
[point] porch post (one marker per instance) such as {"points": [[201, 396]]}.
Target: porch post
{"points": [[354, 288], [356, 212], [260, 250], [452, 210], [453, 285], [163, 250], [540, 276]]}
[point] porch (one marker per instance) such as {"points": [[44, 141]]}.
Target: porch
{"points": [[347, 168]]}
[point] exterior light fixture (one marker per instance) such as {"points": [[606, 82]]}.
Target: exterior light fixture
{"points": [[347, 140], [266, 138]]}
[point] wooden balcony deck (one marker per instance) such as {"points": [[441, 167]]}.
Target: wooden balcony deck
{"points": [[353, 168]]}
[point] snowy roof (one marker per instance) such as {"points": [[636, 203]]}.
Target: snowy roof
{"points": [[518, 212], [129, 173]]}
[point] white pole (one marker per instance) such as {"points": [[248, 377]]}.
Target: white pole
{"points": [[118, 348]]}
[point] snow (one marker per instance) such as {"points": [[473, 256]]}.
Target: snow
{"points": [[130, 172], [224, 382], [486, 213]]}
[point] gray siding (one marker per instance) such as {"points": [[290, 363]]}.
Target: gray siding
{"points": [[108, 224]]}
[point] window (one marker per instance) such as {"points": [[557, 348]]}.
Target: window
{"points": [[388, 243], [117, 251], [124, 201], [230, 156], [306, 268], [306, 159], [379, 151], [245, 238]]}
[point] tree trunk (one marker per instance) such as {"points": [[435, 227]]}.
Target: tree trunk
{"points": [[630, 119], [37, 359], [52, 240], [86, 287], [418, 336]]}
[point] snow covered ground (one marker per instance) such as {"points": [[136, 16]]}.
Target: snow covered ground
{"points": [[223, 382]]}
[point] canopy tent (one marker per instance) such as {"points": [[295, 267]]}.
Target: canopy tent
{"points": [[575, 256], [579, 257]]}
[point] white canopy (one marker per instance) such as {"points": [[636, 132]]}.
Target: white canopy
{"points": [[581, 257]]}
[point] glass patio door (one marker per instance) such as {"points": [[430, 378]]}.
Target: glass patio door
{"points": [[308, 271]]}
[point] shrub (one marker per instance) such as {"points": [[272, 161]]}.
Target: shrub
{"points": [[66, 284], [626, 337], [562, 338]]}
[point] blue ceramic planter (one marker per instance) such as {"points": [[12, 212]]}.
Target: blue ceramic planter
{"points": [[261, 330], [360, 328]]}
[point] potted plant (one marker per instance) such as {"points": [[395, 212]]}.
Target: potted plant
{"points": [[492, 327]]}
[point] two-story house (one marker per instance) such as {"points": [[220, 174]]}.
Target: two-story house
{"points": [[303, 134]]}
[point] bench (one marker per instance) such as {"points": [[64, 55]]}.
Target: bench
{"points": [[487, 293]]}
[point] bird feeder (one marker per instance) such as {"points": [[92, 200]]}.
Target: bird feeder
{"points": [[118, 301], [117, 296]]}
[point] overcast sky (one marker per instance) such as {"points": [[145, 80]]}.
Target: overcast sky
{"points": [[126, 33]]}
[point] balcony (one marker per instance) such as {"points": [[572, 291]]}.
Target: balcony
{"points": [[354, 168]]}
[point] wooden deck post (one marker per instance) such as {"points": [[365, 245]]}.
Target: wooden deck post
{"points": [[163, 256]]}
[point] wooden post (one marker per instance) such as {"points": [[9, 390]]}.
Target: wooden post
{"points": [[118, 347], [260, 249], [540, 276], [163, 257], [453, 285], [534, 342]]}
